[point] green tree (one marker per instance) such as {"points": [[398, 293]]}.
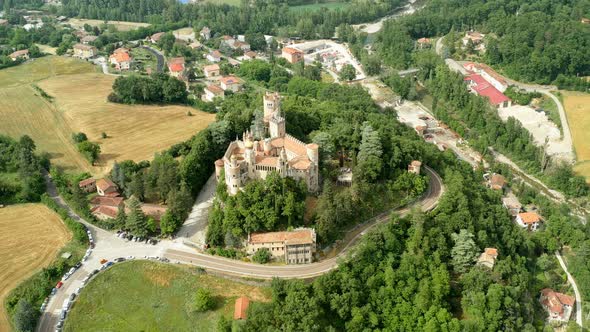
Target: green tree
{"points": [[121, 218], [203, 301], [136, 221], [89, 150], [369, 156], [464, 252], [25, 316], [261, 256], [347, 73], [79, 137]]}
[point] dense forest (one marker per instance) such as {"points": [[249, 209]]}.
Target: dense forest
{"points": [[263, 16], [529, 40]]}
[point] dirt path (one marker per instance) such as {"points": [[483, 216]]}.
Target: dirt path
{"points": [[571, 280]]}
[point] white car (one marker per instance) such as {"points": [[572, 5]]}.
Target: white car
{"points": [[77, 292], [130, 257]]}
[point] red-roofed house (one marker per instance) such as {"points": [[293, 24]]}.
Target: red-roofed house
{"points": [[295, 247], [423, 43], [249, 55], [231, 83], [121, 60], [176, 66], [241, 307], [211, 92], [292, 55], [214, 56], [559, 306], [106, 187], [497, 182], [103, 212], [228, 40], [477, 84], [488, 257], [107, 201], [528, 220], [88, 185], [22, 54]]}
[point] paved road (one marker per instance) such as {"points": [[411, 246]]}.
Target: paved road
{"points": [[159, 57], [575, 287]]}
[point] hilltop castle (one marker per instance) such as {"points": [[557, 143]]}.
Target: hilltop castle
{"points": [[249, 159]]}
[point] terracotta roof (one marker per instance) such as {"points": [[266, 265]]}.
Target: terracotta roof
{"points": [[179, 60], [313, 146], [294, 145], [529, 217], [291, 50], [267, 161], [300, 163], [106, 201], [229, 80], [109, 211], [219, 162], [297, 236], [215, 54], [88, 39], [416, 163], [104, 184], [424, 40], [250, 54], [485, 89], [212, 67], [226, 37], [241, 307], [121, 50], [491, 252], [86, 182], [215, 89], [19, 53], [176, 67], [554, 301], [497, 181], [121, 57]]}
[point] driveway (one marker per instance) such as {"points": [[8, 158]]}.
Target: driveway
{"points": [[571, 280], [159, 57]]}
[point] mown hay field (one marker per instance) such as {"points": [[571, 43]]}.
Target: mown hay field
{"points": [[30, 237], [577, 108], [120, 25], [78, 102]]}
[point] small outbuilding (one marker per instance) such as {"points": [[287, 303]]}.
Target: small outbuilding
{"points": [[241, 307]]}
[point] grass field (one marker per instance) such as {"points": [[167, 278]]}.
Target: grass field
{"points": [[30, 237], [150, 296], [225, 2], [79, 104], [577, 108], [120, 25]]}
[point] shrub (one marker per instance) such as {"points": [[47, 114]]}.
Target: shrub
{"points": [[203, 300], [261, 256], [79, 137]]}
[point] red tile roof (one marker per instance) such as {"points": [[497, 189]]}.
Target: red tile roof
{"points": [[176, 67], [106, 201], [297, 236], [554, 301], [229, 80], [86, 182], [529, 217], [106, 210], [291, 50], [157, 36], [105, 184], [241, 307], [215, 89], [492, 252], [212, 67], [485, 89], [121, 57]]}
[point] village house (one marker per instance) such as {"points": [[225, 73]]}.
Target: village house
{"points": [[282, 153], [488, 74], [511, 203], [211, 92], [195, 45], [231, 83], [214, 56], [414, 167], [475, 37], [488, 258], [241, 45], [106, 187], [292, 55], [205, 33], [241, 307], [19, 55], [558, 306], [84, 51], [496, 182], [156, 37], [103, 212], [423, 43], [528, 220], [103, 207], [176, 67], [294, 247], [121, 59], [228, 40], [115, 202], [88, 185], [211, 70], [88, 39], [250, 55]]}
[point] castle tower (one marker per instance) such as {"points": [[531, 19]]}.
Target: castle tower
{"points": [[267, 147], [250, 156], [218, 167], [272, 104], [277, 126], [282, 163], [414, 167], [232, 175], [313, 153]]}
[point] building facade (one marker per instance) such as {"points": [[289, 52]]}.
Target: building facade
{"points": [[248, 159], [295, 247]]}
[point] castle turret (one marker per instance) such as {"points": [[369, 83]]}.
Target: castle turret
{"points": [[232, 176], [277, 126], [272, 105], [267, 147], [313, 152], [218, 167], [282, 162], [250, 156]]}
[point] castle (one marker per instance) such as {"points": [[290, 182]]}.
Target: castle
{"points": [[250, 159]]}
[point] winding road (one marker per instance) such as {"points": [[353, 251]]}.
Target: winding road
{"points": [[108, 246]]}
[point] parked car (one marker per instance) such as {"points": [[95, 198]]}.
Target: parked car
{"points": [[78, 290], [104, 260], [59, 284], [120, 259], [164, 259], [77, 266], [130, 257], [72, 296], [53, 291]]}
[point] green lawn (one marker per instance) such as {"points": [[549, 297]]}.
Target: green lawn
{"points": [[318, 6], [144, 58], [152, 296]]}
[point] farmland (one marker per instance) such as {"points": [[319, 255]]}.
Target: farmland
{"points": [[318, 6], [118, 299], [30, 237], [78, 103], [120, 25], [577, 108]]}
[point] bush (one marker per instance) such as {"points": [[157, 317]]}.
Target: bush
{"points": [[203, 300], [79, 137], [25, 316], [261, 256]]}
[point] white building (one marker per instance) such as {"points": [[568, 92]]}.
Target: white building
{"points": [[211, 92], [250, 159], [528, 220]]}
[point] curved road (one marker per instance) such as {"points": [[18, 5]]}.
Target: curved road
{"points": [[109, 246], [571, 280], [159, 57]]}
